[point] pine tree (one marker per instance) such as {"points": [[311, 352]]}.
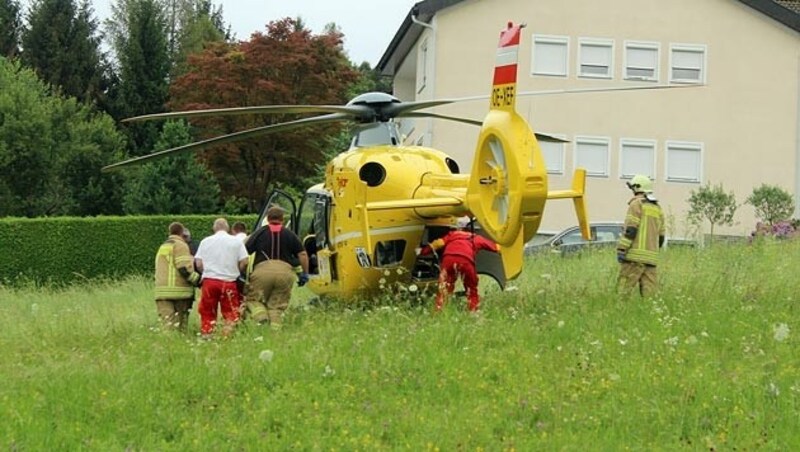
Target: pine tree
{"points": [[172, 185], [10, 28], [139, 36], [193, 25], [63, 47]]}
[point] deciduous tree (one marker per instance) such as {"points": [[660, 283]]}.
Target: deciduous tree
{"points": [[52, 149], [771, 203], [712, 204], [287, 65]]}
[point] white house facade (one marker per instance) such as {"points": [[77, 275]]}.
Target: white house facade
{"points": [[737, 122]]}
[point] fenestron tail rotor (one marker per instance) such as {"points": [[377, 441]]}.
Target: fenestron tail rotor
{"points": [[500, 202]]}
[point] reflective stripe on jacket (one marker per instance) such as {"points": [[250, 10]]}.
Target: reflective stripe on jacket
{"points": [[648, 219], [170, 284]]}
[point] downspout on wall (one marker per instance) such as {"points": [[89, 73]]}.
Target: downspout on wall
{"points": [[431, 67], [797, 147]]}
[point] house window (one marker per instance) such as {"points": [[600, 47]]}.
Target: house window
{"points": [[596, 58], [550, 55], [687, 63], [422, 66], [553, 154], [684, 161], [592, 154], [637, 157], [641, 61]]}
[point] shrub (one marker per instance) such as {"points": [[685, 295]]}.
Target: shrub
{"points": [[712, 204], [60, 250], [771, 203]]}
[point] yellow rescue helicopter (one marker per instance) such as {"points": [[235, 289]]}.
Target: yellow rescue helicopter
{"points": [[381, 199]]}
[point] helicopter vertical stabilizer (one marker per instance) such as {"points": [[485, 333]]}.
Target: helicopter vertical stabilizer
{"points": [[508, 185]]}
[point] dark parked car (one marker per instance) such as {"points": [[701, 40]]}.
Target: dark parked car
{"points": [[570, 240]]}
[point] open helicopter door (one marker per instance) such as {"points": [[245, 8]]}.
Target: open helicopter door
{"points": [[491, 264], [283, 200]]}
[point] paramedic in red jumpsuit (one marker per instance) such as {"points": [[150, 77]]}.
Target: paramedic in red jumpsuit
{"points": [[460, 247]]}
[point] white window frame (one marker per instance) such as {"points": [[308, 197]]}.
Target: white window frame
{"points": [[550, 39], [642, 45], [422, 65], [592, 140], [686, 146], [640, 142], [561, 169], [596, 42], [697, 48]]}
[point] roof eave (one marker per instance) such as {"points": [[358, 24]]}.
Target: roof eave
{"points": [[408, 33], [776, 11]]}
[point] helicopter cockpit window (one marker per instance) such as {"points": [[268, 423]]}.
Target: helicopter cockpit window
{"points": [[305, 221], [321, 212], [389, 252], [372, 173]]}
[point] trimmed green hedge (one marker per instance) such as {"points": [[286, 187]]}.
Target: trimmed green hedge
{"points": [[62, 250]]}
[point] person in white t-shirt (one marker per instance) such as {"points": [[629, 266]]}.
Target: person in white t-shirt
{"points": [[239, 230], [221, 257]]}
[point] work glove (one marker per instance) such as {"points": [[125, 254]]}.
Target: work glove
{"points": [[621, 256], [302, 279], [417, 250]]}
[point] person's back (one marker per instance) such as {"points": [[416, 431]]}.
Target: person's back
{"points": [[278, 255], [642, 236], [175, 280], [645, 245], [221, 258], [458, 249], [239, 230], [219, 253]]}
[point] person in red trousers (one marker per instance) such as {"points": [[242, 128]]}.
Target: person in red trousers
{"points": [[221, 258], [457, 250]]}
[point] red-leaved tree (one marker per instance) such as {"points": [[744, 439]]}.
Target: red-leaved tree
{"points": [[287, 65]]}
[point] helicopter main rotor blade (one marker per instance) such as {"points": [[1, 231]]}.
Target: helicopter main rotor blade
{"points": [[399, 109], [602, 90], [421, 114], [549, 138], [237, 136], [357, 111], [473, 122], [578, 91]]}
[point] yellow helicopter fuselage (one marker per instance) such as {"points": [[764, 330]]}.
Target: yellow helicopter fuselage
{"points": [[380, 206]]}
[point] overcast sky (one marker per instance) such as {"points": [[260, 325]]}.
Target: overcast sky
{"points": [[368, 25]]}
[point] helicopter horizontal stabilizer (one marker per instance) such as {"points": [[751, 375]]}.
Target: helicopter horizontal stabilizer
{"points": [[415, 204], [577, 195]]}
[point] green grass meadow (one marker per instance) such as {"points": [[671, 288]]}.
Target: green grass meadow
{"points": [[560, 363]]}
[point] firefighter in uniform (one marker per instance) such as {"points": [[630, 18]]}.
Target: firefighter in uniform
{"points": [[175, 280], [642, 237], [460, 247], [279, 261]]}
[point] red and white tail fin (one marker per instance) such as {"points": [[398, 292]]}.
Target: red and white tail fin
{"points": [[504, 83]]}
